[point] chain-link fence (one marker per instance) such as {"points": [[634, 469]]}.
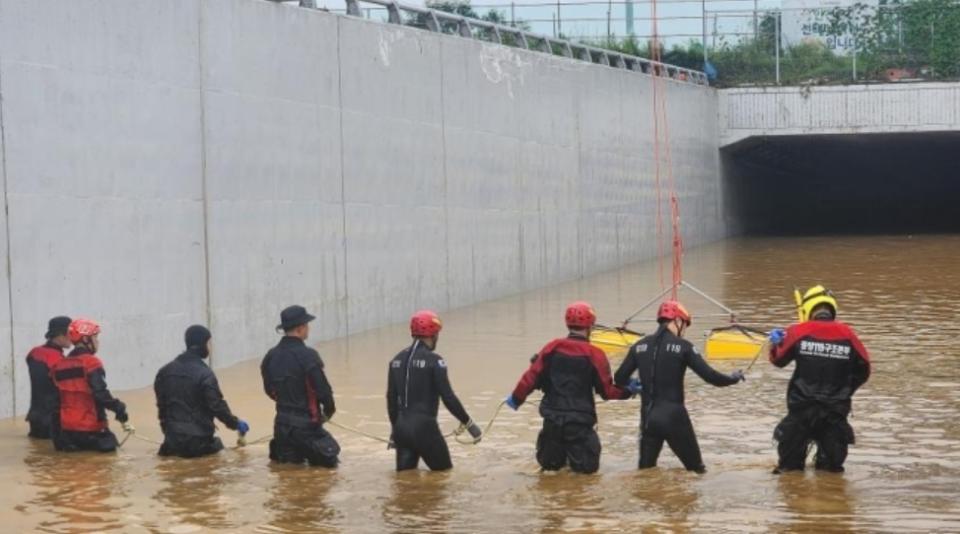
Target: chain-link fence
{"points": [[747, 42]]}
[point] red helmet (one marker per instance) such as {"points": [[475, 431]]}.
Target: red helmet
{"points": [[580, 314], [82, 328], [671, 310], [425, 323]]}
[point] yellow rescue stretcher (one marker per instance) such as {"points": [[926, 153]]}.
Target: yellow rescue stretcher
{"points": [[734, 342], [613, 341]]}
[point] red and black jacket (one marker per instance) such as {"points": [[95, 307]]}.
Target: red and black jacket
{"points": [[44, 400], [831, 364], [293, 377], [568, 371], [81, 382]]}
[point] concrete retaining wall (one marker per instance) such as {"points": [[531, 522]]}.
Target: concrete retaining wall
{"points": [[183, 161]]}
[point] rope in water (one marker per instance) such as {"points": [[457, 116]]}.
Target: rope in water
{"points": [[486, 430], [455, 434], [358, 431], [762, 350], [145, 439], [131, 432], [242, 442]]}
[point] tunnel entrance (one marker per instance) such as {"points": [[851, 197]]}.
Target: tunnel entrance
{"points": [[843, 184]]}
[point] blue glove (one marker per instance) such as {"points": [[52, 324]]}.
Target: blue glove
{"points": [[242, 427], [777, 335], [634, 387], [512, 402]]}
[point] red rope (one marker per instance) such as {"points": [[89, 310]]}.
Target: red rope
{"points": [[655, 56], [656, 158], [660, 114]]}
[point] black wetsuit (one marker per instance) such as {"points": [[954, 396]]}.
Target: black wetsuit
{"points": [[293, 377], [44, 399], [831, 365], [416, 381], [662, 360], [188, 398], [569, 370]]}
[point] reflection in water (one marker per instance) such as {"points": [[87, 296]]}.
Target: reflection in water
{"points": [[670, 494], [75, 488], [817, 502], [192, 490], [418, 502], [902, 294], [296, 499], [568, 501]]}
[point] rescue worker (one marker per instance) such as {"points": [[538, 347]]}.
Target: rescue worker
{"points": [[189, 397], [416, 381], [293, 377], [831, 364], [44, 402], [661, 360], [81, 383], [568, 370]]}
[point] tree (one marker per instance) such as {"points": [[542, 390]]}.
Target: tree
{"points": [[457, 7], [463, 7], [921, 35]]}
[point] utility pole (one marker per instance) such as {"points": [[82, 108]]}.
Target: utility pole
{"points": [[756, 25], [609, 9], [776, 31], [629, 16], [559, 26], [703, 17]]}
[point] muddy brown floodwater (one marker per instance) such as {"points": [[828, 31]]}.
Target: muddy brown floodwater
{"points": [[900, 293]]}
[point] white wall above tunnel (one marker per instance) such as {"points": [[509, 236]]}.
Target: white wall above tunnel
{"points": [[213, 161], [848, 109]]}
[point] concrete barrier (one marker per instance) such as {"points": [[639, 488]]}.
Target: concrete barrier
{"points": [[185, 161], [834, 110]]}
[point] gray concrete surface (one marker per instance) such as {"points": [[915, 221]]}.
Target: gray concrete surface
{"points": [[179, 161], [847, 109]]}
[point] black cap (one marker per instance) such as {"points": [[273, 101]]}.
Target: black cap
{"points": [[58, 326], [293, 316], [196, 336]]}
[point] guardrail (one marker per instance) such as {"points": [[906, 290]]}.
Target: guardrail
{"points": [[471, 28]]}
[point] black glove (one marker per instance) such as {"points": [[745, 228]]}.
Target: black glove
{"points": [[738, 376], [121, 412], [474, 431]]}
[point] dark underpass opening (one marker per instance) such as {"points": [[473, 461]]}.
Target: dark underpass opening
{"points": [[843, 184]]}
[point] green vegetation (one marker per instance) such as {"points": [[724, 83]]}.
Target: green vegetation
{"points": [[914, 39]]}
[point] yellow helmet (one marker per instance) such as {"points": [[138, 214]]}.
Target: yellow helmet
{"points": [[815, 296]]}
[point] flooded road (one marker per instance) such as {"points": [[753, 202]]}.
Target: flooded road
{"points": [[902, 294]]}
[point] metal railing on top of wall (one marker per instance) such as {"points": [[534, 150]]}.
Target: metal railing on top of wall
{"points": [[453, 24]]}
